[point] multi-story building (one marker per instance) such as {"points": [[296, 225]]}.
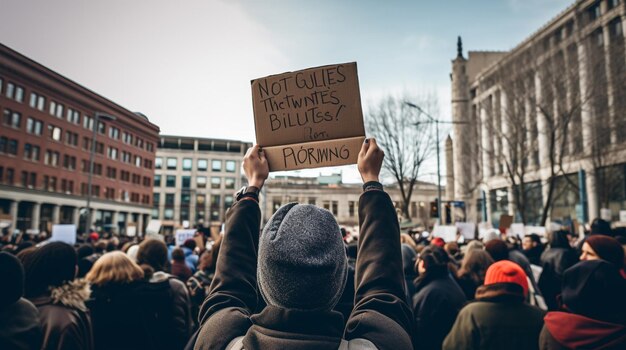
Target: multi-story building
{"points": [[46, 136], [342, 199], [195, 180], [540, 129]]}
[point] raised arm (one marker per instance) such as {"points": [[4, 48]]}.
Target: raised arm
{"points": [[380, 315], [233, 295]]}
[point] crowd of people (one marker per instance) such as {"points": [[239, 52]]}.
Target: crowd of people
{"points": [[305, 283]]}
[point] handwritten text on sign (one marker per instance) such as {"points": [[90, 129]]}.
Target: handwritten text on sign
{"points": [[314, 104]]}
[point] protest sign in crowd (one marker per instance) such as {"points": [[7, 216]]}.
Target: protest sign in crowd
{"points": [[301, 282]]}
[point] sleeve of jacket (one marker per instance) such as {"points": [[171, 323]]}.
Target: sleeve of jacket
{"points": [[182, 311], [381, 313], [233, 295], [464, 333]]}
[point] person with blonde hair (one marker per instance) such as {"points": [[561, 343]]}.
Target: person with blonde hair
{"points": [[126, 310], [114, 268]]}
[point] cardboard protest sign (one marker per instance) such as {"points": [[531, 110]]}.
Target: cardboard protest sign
{"points": [[183, 235], [505, 222], [63, 233], [309, 118]]}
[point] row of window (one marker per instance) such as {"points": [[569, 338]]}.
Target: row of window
{"points": [[111, 173], [53, 158], [52, 184], [201, 182], [185, 206], [55, 133], [201, 165], [38, 101], [593, 12]]}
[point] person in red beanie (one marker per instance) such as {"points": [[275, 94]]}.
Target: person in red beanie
{"points": [[499, 318], [438, 241]]}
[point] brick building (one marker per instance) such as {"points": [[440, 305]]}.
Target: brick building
{"points": [[46, 133]]}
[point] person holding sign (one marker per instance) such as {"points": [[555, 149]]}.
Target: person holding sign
{"points": [[300, 272]]}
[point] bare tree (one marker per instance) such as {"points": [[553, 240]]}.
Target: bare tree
{"points": [[542, 115], [406, 139]]}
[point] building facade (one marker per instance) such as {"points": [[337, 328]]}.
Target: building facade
{"points": [[46, 137], [540, 129], [195, 180], [342, 199]]}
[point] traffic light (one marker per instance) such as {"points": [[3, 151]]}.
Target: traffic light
{"points": [[434, 209]]}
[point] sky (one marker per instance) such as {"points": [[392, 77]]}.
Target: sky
{"points": [[187, 64]]}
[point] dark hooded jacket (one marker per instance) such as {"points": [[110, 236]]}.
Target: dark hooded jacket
{"points": [[564, 330], [497, 319], [64, 318], [555, 260], [594, 310], [19, 318], [234, 316], [436, 305]]}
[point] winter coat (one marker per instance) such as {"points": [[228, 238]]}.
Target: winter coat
{"points": [[498, 319], [534, 255], [381, 318], [198, 287], [191, 259], [139, 314], [564, 330], [64, 318], [182, 321], [436, 305], [181, 271], [554, 262], [468, 285], [19, 326]]}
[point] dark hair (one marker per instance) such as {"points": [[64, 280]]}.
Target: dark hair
{"points": [[600, 227], [190, 243], [497, 249], [13, 276], [178, 254], [152, 252], [208, 260], [475, 265], [435, 259], [48, 266], [558, 239], [534, 237]]}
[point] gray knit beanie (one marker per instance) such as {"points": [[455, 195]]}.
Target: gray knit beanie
{"points": [[302, 260]]}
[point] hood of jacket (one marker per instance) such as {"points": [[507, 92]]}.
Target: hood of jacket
{"points": [[500, 292], [72, 294], [579, 332], [279, 328], [160, 276]]}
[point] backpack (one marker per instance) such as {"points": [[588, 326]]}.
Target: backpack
{"points": [[158, 315]]}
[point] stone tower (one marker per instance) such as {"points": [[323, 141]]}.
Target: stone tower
{"points": [[463, 143], [449, 169]]}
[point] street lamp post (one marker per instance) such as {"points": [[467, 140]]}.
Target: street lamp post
{"points": [[96, 121], [432, 120]]}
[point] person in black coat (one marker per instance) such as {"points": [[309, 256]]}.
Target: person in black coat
{"points": [[19, 318], [438, 299], [557, 258]]}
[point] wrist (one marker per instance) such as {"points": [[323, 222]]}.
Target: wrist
{"points": [[258, 183], [370, 178]]}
